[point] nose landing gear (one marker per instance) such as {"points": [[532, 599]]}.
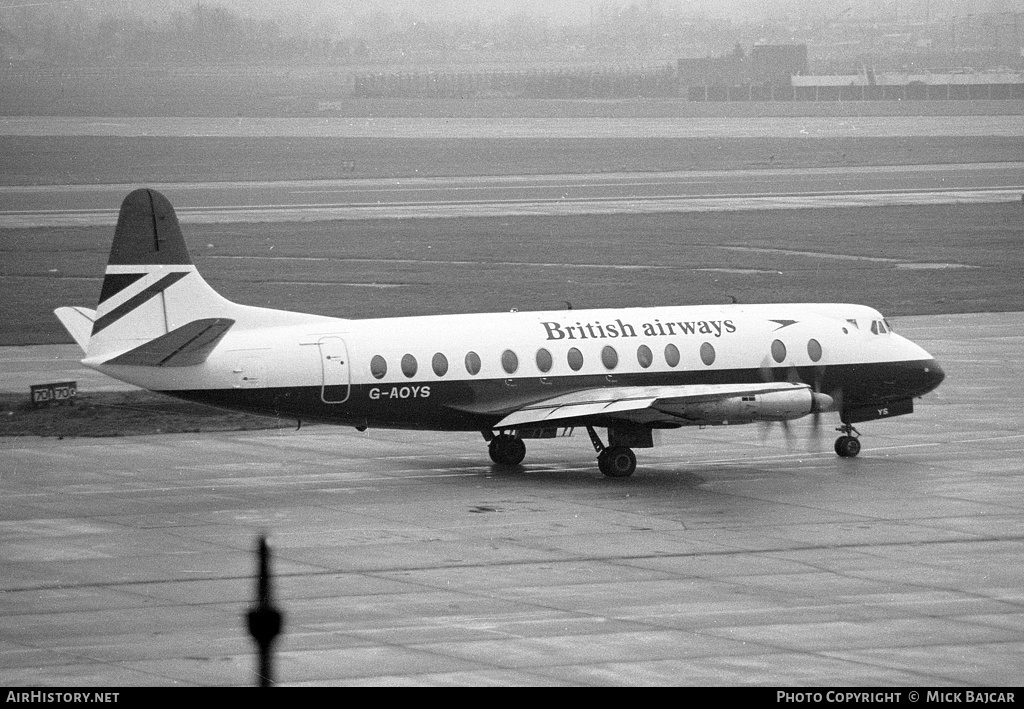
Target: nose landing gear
{"points": [[847, 446]]}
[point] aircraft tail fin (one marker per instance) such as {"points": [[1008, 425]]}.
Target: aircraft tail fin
{"points": [[152, 291]]}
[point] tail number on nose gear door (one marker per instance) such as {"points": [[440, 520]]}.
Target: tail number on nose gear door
{"points": [[417, 392]]}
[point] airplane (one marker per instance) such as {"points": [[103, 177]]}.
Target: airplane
{"points": [[511, 376]]}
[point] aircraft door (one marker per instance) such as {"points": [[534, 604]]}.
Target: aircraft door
{"points": [[335, 368]]}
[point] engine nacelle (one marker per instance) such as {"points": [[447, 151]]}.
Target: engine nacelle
{"points": [[769, 406]]}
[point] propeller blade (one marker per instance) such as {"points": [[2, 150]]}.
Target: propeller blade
{"points": [[837, 400], [814, 439], [787, 432]]}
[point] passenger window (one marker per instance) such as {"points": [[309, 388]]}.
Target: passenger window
{"points": [[814, 350], [409, 365], [644, 356], [707, 354], [440, 364], [544, 360], [509, 361], [778, 351], [575, 359], [609, 357], [671, 355], [473, 363], [378, 367]]}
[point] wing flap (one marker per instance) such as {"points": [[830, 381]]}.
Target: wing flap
{"points": [[639, 404], [185, 346], [542, 413]]}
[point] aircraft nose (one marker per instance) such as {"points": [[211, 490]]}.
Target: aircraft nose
{"points": [[925, 377], [931, 375]]}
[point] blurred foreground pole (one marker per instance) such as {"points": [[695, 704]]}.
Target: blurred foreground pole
{"points": [[265, 621]]}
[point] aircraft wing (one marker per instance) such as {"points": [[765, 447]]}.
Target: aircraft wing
{"points": [[640, 404], [185, 346]]}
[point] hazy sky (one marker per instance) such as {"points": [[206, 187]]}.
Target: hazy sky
{"points": [[562, 11]]}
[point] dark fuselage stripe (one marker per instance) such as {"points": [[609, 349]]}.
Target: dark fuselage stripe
{"points": [[479, 404]]}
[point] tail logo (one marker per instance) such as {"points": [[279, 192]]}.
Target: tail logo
{"points": [[135, 301], [114, 283]]}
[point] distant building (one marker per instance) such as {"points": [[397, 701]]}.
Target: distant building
{"points": [[775, 63], [767, 64], [726, 70]]}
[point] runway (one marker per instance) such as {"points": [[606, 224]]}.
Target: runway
{"points": [[548, 195], [518, 126], [406, 559]]}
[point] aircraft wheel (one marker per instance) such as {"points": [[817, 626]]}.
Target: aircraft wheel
{"points": [[507, 450], [617, 462], [847, 447]]}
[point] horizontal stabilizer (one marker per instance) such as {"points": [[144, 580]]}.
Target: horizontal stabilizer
{"points": [[78, 322], [186, 346]]}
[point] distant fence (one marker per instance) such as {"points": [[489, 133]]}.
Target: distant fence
{"points": [[658, 82], [901, 92], [598, 83]]}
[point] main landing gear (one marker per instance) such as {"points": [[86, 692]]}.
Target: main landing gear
{"points": [[616, 461], [507, 449], [847, 446]]}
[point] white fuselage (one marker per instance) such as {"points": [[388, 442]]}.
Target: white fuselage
{"points": [[507, 359]]}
